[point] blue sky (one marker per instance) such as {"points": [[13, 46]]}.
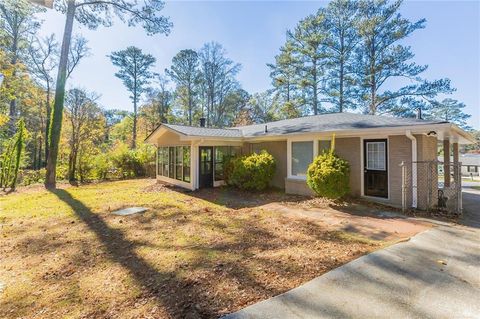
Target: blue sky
{"points": [[253, 31]]}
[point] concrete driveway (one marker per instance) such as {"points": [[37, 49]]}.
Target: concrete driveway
{"points": [[436, 274]]}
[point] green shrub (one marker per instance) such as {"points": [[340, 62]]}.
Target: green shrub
{"points": [[102, 166], [127, 163], [252, 172], [328, 175], [29, 177]]}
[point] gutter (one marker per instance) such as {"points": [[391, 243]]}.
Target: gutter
{"points": [[408, 133]]}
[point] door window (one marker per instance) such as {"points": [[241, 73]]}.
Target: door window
{"points": [[376, 156]]}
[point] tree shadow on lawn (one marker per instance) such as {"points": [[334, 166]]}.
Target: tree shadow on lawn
{"points": [[181, 297], [121, 251], [194, 297]]}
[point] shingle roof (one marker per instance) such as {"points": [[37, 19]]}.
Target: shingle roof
{"points": [[205, 131], [329, 122], [309, 124]]}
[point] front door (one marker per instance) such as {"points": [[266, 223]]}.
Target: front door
{"points": [[375, 168], [206, 166]]}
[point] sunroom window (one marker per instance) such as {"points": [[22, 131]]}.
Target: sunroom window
{"points": [[302, 156], [179, 163], [174, 162], [186, 164]]}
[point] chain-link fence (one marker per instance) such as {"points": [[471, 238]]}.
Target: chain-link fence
{"points": [[432, 186]]}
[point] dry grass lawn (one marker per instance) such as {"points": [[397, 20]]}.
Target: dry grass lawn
{"points": [[191, 255]]}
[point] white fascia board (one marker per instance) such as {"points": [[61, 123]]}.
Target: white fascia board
{"points": [[445, 128]]}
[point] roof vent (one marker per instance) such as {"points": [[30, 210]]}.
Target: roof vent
{"points": [[202, 122], [419, 113], [266, 129]]}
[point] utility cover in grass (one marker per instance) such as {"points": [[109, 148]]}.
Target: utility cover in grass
{"points": [[130, 211]]}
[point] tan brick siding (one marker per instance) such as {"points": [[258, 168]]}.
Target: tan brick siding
{"points": [[299, 187], [399, 149], [350, 150]]}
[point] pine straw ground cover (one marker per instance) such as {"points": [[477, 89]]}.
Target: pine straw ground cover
{"points": [[191, 255]]}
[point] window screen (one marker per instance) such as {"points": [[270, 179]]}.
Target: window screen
{"points": [[324, 146], [186, 164], [376, 156], [302, 156]]}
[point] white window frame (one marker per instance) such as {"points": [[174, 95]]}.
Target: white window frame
{"points": [[384, 143], [311, 138]]}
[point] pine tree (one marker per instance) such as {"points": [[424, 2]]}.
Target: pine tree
{"points": [[342, 19], [381, 58], [135, 74], [307, 41]]}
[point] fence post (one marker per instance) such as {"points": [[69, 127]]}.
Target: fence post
{"points": [[459, 185], [404, 199]]}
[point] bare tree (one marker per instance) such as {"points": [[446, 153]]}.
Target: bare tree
{"points": [[93, 13], [42, 60], [218, 80], [82, 112]]}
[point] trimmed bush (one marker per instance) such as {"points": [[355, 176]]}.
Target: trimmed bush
{"points": [[251, 172], [328, 176]]}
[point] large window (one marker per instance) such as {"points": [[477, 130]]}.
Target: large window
{"points": [[179, 163], [324, 146], [186, 164], [222, 155], [302, 156], [174, 162], [171, 162]]}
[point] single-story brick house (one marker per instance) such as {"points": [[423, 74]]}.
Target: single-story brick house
{"points": [[375, 146]]}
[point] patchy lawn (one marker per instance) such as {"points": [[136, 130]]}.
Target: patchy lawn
{"points": [[191, 255]]}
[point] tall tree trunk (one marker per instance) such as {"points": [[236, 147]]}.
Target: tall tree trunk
{"points": [[47, 119], [135, 98], [72, 165], [189, 105], [342, 70], [57, 112], [13, 102], [315, 96], [34, 160], [40, 150], [373, 84], [134, 132]]}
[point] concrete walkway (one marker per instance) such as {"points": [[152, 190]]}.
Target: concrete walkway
{"points": [[434, 275]]}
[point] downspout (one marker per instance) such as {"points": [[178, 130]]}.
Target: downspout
{"points": [[414, 167]]}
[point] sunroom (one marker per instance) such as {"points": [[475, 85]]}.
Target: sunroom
{"points": [[193, 157]]}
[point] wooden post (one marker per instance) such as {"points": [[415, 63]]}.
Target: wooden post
{"points": [[446, 162]]}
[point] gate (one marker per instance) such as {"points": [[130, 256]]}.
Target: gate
{"points": [[432, 186]]}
